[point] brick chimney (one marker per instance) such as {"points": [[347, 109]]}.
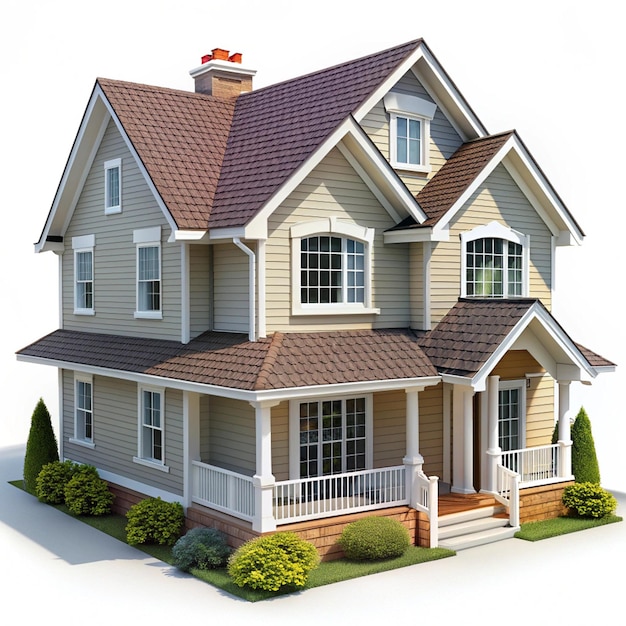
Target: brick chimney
{"points": [[222, 75]]}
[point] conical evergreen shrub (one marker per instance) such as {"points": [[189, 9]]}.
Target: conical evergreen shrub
{"points": [[584, 459], [41, 447]]}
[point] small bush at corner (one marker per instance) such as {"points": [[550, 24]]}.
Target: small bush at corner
{"points": [[273, 562], [88, 494], [589, 500], [201, 548], [154, 521], [374, 538], [52, 480]]}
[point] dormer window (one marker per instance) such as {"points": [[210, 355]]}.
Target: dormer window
{"points": [[113, 186], [331, 270], [409, 131], [495, 262]]}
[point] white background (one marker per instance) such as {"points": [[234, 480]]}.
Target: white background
{"points": [[552, 69]]}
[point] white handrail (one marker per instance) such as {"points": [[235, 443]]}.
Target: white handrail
{"points": [[539, 465], [507, 492]]}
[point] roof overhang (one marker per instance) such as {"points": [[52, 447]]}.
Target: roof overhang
{"points": [[96, 118]]}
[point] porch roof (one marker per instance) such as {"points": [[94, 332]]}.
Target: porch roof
{"points": [[282, 361], [475, 333]]}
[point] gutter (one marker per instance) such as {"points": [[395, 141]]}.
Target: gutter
{"points": [[251, 287]]}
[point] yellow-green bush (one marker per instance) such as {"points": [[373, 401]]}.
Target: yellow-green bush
{"points": [[374, 538], [154, 521], [273, 562], [589, 500]]}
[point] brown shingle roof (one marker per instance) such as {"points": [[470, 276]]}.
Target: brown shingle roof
{"points": [[230, 360], [456, 175], [180, 138]]}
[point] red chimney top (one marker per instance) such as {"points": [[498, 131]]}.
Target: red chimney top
{"points": [[219, 54]]}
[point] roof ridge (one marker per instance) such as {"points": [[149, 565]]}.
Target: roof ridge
{"points": [[268, 362]]}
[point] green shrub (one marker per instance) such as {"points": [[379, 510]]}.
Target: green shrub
{"points": [[273, 562], [374, 538], [41, 446], [155, 521], [201, 548], [88, 494], [589, 500], [52, 480], [584, 460]]}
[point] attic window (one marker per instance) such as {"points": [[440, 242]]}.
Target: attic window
{"points": [[409, 131], [113, 186]]}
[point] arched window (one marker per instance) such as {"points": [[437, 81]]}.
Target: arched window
{"points": [[494, 263]]}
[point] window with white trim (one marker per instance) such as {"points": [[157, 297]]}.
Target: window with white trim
{"points": [[113, 186], [494, 263], [83, 274], [83, 409], [511, 415], [151, 425], [409, 131], [334, 436], [331, 268], [149, 287]]}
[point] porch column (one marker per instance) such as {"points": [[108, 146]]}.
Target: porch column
{"points": [[191, 442], [413, 460], [263, 479], [494, 452], [463, 433], [565, 439]]}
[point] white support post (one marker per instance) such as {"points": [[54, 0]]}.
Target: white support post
{"points": [[463, 440], [191, 442], [413, 461], [565, 439], [263, 479], [494, 452]]}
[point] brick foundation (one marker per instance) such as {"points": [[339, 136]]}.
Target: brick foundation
{"points": [[539, 503]]}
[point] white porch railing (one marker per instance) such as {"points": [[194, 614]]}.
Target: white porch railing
{"points": [[326, 496], [428, 502], [534, 465], [221, 489], [507, 492]]}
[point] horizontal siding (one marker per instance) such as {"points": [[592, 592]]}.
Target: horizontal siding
{"points": [[115, 432], [444, 140], [389, 428], [280, 441], [334, 189], [498, 199], [232, 435], [231, 280], [199, 289], [431, 429], [416, 289], [115, 252]]}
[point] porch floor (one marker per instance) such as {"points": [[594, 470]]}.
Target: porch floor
{"points": [[457, 502]]}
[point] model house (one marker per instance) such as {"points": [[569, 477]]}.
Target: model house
{"points": [[331, 297]]}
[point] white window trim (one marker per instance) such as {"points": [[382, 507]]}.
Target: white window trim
{"points": [[147, 238], [331, 226], [294, 430], [410, 107], [521, 385], [139, 459], [76, 439], [84, 243], [110, 165], [497, 231]]}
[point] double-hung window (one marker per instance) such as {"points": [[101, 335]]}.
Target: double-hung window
{"points": [[149, 287], [331, 268], [113, 186], [151, 444], [83, 248], [332, 436], [83, 410], [494, 263], [409, 131]]}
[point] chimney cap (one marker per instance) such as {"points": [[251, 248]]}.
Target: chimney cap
{"points": [[221, 54]]}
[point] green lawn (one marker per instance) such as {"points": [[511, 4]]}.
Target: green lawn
{"points": [[535, 531]]}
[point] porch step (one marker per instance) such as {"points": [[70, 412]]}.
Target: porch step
{"points": [[475, 527]]}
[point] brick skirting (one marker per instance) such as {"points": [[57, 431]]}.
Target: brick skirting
{"points": [[539, 503]]}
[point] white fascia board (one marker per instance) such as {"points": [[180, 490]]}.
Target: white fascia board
{"points": [[220, 234], [411, 235], [83, 152], [547, 191], [129, 144], [357, 140], [444, 221], [454, 379], [191, 236]]}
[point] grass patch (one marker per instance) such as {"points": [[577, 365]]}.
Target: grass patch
{"points": [[327, 573], [536, 531]]}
